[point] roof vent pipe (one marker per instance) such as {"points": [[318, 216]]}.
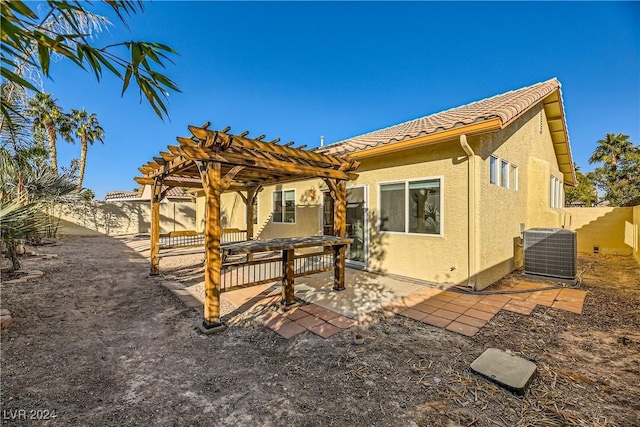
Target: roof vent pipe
{"points": [[321, 140]]}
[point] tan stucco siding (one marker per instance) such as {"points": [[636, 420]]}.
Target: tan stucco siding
{"points": [[233, 211], [307, 211], [610, 229], [425, 257], [527, 145]]}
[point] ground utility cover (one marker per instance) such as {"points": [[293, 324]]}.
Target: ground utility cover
{"points": [[506, 369]]}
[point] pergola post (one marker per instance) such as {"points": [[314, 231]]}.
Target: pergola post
{"points": [[251, 197], [288, 292], [212, 185], [339, 195], [154, 235]]}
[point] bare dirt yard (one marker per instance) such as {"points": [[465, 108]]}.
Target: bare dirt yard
{"points": [[97, 342]]}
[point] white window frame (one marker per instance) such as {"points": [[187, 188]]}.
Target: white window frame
{"points": [[559, 194], [295, 208], [504, 173], [494, 170], [556, 196], [406, 206], [514, 174]]}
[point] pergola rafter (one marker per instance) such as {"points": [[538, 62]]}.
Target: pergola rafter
{"points": [[218, 161]]}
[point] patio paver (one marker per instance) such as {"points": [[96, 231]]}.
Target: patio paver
{"points": [[466, 314], [462, 328], [478, 314], [438, 321], [310, 321], [325, 330], [343, 322], [290, 330], [296, 314], [471, 321], [414, 314]]}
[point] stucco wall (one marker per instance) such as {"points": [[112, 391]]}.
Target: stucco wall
{"points": [[610, 229], [440, 259], [233, 211], [113, 218], [526, 144]]}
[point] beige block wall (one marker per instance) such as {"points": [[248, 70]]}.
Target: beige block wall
{"points": [[526, 144], [131, 217], [605, 227]]}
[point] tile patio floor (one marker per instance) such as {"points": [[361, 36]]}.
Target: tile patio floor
{"points": [[327, 312], [467, 313]]}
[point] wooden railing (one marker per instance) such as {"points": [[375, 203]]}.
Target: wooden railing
{"points": [[239, 273], [185, 238]]}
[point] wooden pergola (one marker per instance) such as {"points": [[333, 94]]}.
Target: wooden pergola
{"points": [[224, 162]]}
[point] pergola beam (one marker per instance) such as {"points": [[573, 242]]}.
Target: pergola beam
{"points": [[167, 182], [199, 153], [204, 134]]}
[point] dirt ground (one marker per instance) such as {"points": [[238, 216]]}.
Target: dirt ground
{"points": [[100, 343]]}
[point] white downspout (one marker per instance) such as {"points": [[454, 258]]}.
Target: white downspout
{"points": [[471, 211]]}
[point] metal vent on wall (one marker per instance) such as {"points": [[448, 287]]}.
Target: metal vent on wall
{"points": [[551, 252]]}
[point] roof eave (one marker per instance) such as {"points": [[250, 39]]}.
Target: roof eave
{"points": [[430, 139], [554, 111]]}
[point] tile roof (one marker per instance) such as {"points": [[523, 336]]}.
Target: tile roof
{"points": [[121, 195], [173, 192], [176, 192], [507, 107]]}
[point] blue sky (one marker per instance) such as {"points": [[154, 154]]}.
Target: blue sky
{"points": [[301, 70]]}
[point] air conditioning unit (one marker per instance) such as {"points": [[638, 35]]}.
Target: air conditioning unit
{"points": [[551, 253]]}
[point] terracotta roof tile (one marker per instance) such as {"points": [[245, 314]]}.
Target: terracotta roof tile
{"points": [[507, 107], [174, 192], [121, 195]]}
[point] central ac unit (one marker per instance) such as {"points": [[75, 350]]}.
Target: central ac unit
{"points": [[551, 253]]}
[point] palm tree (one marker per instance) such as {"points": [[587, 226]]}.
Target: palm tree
{"points": [[611, 149], [48, 118], [86, 127]]}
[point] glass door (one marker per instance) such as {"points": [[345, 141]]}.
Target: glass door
{"points": [[357, 222]]}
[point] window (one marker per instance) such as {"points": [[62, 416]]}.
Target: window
{"points": [[424, 207], [284, 206], [493, 170], [392, 207], [504, 174], [514, 177], [559, 194], [411, 206], [556, 192]]}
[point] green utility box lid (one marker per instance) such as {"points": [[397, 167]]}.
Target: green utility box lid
{"points": [[512, 372]]}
